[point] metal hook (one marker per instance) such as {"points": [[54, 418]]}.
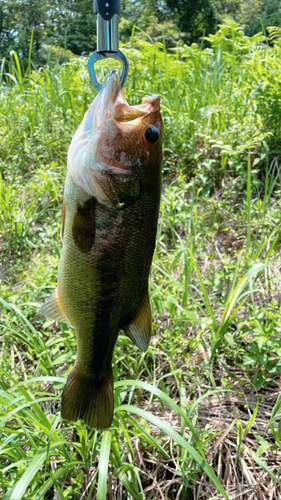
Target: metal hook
{"points": [[96, 56]]}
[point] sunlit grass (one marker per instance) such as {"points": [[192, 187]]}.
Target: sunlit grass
{"points": [[214, 283]]}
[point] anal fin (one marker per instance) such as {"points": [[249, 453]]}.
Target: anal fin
{"points": [[52, 308], [139, 330]]}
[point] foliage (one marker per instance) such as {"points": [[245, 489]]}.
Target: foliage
{"points": [[193, 18], [260, 14], [214, 283], [59, 22], [71, 24]]}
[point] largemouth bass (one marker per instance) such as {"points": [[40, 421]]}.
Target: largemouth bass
{"points": [[109, 224]]}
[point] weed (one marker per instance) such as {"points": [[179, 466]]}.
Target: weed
{"points": [[201, 407]]}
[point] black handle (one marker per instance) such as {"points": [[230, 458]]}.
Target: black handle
{"points": [[107, 8]]}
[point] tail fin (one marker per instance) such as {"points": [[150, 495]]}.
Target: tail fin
{"points": [[88, 399]]}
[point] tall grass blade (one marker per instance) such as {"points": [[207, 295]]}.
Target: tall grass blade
{"points": [[21, 486], [148, 437], [56, 475], [177, 438], [249, 194], [29, 53], [15, 57], [157, 392], [261, 464], [204, 290], [251, 421], [103, 465]]}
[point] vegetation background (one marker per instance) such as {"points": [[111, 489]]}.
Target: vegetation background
{"points": [[70, 23], [198, 415]]}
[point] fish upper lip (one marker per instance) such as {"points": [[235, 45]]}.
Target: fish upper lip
{"points": [[124, 113], [112, 103]]}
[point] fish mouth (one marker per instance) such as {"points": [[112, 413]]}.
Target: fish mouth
{"points": [[123, 112], [111, 87], [117, 105]]}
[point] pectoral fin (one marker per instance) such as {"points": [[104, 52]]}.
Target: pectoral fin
{"points": [[84, 226], [139, 330], [52, 308]]}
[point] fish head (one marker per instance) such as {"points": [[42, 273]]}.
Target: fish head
{"points": [[121, 145], [133, 136]]}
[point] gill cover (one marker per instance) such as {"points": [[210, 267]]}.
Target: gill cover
{"points": [[92, 162]]}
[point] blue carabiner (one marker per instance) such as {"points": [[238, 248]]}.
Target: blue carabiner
{"points": [[96, 56]]}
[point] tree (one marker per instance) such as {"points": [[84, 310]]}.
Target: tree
{"points": [[72, 24], [18, 19], [64, 23], [226, 9], [193, 18], [8, 28]]}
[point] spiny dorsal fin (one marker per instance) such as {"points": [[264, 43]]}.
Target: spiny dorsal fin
{"points": [[52, 308], [139, 330]]}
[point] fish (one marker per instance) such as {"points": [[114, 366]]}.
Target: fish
{"points": [[108, 231]]}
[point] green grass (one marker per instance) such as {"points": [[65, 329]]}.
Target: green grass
{"points": [[198, 415]]}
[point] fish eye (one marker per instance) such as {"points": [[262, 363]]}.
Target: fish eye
{"points": [[151, 135]]}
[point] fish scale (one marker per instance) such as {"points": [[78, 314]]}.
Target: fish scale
{"points": [[109, 228]]}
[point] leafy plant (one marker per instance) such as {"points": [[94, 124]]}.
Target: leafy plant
{"points": [[210, 375]]}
